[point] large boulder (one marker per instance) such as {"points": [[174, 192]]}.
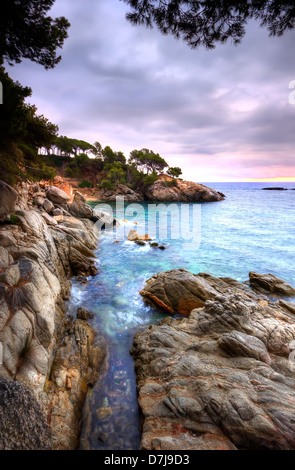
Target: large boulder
{"points": [[56, 195], [270, 284], [8, 200], [23, 425], [79, 208], [223, 378], [179, 291], [169, 190]]}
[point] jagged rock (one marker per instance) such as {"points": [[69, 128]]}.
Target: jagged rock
{"points": [[79, 208], [221, 378], [23, 425], [81, 265], [8, 199], [179, 291], [5, 257], [10, 275], [133, 236], [83, 314], [32, 321], [268, 283], [56, 195], [48, 206], [39, 201], [288, 305], [48, 219], [6, 238], [184, 191], [57, 212]]}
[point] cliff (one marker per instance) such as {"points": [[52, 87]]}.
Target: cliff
{"points": [[56, 356]]}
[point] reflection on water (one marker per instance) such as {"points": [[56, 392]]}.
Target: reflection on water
{"points": [[250, 230]]}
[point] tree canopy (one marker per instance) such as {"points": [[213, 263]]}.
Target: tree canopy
{"points": [[26, 31], [211, 21], [147, 159], [22, 133], [174, 171]]}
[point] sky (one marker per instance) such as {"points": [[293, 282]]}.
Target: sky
{"points": [[221, 115]]}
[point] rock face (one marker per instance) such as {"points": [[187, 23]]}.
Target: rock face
{"points": [[223, 378], [184, 191], [54, 356], [22, 423], [8, 199]]}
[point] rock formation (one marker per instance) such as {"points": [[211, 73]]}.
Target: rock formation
{"points": [[53, 355], [222, 378], [110, 195], [169, 190]]}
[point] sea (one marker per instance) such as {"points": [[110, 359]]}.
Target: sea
{"points": [[251, 230]]}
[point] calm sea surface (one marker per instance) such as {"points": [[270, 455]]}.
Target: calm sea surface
{"points": [[252, 230]]}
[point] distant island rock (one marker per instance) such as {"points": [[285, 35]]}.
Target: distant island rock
{"points": [[274, 189]]}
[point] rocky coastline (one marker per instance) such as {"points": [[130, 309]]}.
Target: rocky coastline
{"points": [[166, 189], [223, 376], [44, 241]]}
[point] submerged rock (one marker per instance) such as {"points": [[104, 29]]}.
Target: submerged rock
{"points": [[133, 236], [223, 378]]}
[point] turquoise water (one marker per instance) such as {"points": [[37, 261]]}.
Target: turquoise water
{"points": [[252, 230]]}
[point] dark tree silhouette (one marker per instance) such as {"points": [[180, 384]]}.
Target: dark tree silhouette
{"points": [[27, 32], [211, 21]]}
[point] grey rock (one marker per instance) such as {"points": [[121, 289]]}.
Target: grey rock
{"points": [[221, 378], [56, 195], [22, 423], [8, 199]]}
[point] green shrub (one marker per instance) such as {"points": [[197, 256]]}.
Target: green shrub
{"points": [[171, 183], [149, 180], [105, 184], [69, 173], [86, 184], [13, 219]]}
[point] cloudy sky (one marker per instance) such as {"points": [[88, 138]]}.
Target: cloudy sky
{"points": [[221, 115]]}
